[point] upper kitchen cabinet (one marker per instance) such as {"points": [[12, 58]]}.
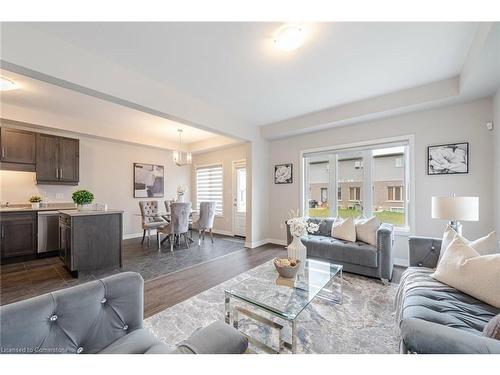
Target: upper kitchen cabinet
{"points": [[57, 160], [17, 150]]}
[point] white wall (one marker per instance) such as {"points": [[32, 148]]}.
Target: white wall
{"points": [[26, 47], [496, 137], [465, 122], [106, 169], [222, 224]]}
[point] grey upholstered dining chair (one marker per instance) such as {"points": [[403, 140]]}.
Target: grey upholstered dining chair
{"points": [[150, 218], [167, 205], [179, 224], [206, 220]]}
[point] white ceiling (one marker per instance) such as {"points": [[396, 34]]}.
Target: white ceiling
{"points": [[35, 95], [234, 66]]}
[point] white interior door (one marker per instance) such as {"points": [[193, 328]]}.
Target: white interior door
{"points": [[239, 198]]}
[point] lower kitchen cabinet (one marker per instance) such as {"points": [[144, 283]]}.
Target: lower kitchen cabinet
{"points": [[90, 241], [17, 234]]}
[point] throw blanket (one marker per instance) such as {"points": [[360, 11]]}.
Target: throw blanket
{"points": [[415, 278]]}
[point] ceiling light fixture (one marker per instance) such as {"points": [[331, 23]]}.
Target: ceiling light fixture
{"points": [[7, 84], [181, 158], [289, 38]]}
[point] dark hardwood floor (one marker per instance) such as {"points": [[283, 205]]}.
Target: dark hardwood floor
{"points": [[28, 279], [200, 268], [168, 290]]}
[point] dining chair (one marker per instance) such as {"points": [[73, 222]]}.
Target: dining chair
{"points": [[206, 220], [178, 226], [150, 218]]}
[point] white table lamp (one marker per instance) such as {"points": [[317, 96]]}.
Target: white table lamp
{"points": [[455, 209]]}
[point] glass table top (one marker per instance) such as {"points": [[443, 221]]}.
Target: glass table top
{"points": [[282, 296]]}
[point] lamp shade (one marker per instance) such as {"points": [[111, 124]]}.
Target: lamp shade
{"points": [[455, 208]]}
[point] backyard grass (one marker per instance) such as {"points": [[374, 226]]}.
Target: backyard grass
{"points": [[395, 218]]}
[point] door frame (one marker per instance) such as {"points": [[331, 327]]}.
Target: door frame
{"points": [[235, 164]]}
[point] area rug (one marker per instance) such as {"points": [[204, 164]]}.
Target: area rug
{"points": [[363, 323]]}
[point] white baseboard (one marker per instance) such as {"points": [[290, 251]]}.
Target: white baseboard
{"points": [[133, 235], [276, 241], [153, 233], [223, 232], [401, 262], [254, 244], [265, 241]]}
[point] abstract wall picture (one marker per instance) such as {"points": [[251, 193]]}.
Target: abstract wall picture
{"points": [[148, 180], [450, 158], [283, 173]]}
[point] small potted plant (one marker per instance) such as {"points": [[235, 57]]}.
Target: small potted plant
{"points": [[83, 199], [35, 201]]}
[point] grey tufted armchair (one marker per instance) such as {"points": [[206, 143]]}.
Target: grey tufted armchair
{"points": [[150, 218], [179, 224], [101, 316], [206, 220]]}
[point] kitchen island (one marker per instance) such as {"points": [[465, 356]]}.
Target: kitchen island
{"points": [[90, 241]]}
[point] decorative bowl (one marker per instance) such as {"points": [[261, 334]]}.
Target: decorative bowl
{"points": [[286, 267]]}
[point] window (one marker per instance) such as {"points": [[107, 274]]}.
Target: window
{"points": [[209, 186], [395, 193], [370, 180], [318, 172], [354, 193], [324, 195], [241, 190]]}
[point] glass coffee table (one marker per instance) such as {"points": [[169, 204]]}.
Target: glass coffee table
{"points": [[266, 292]]}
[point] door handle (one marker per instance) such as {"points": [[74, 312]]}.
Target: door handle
{"points": [[3, 152], [57, 173], [3, 234], [60, 173]]}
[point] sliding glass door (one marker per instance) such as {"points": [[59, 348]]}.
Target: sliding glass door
{"points": [[367, 181]]}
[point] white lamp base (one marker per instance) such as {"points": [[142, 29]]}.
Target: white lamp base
{"points": [[456, 226]]}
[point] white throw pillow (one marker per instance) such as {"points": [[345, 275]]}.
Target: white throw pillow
{"points": [[484, 245], [465, 269], [343, 229], [448, 236], [366, 230]]}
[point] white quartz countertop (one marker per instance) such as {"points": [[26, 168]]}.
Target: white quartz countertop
{"points": [[45, 207], [89, 212]]}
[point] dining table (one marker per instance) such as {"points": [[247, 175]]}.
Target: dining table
{"points": [[166, 215]]}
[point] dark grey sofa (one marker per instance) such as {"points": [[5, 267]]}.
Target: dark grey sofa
{"points": [[438, 319], [102, 316], [356, 257]]}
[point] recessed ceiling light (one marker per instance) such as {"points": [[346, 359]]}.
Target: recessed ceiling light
{"points": [[289, 38], [7, 84]]}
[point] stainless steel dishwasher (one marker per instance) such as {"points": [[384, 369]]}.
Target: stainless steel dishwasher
{"points": [[48, 231]]}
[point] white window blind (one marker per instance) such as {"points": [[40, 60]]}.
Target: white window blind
{"points": [[209, 186]]}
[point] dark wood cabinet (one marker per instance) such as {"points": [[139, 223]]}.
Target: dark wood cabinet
{"points": [[47, 157], [69, 159], [17, 149], [82, 236], [57, 160], [17, 234]]}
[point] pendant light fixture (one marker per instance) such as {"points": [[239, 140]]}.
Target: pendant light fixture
{"points": [[181, 158], [6, 84]]}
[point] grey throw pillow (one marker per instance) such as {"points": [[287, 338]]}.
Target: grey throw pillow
{"points": [[492, 329]]}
